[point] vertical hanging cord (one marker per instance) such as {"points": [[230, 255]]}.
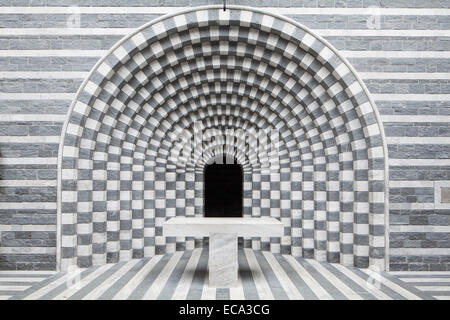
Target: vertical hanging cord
{"points": [[224, 5]]}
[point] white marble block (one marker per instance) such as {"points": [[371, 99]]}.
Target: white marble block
{"points": [[223, 234], [223, 260], [203, 227]]}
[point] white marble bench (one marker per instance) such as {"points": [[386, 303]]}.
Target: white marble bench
{"points": [[223, 234]]}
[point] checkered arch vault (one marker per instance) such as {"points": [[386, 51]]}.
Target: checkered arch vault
{"points": [[231, 74]]}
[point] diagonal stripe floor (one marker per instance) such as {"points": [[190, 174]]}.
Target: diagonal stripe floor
{"points": [[434, 283], [183, 275], [15, 282]]}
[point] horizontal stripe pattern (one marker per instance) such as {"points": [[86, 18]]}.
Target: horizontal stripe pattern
{"points": [[125, 31], [346, 53], [183, 275], [377, 96], [28, 205], [436, 284], [172, 9], [406, 63], [28, 250], [363, 75], [419, 251], [418, 162], [28, 161], [15, 282]]}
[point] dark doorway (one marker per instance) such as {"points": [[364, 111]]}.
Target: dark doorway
{"points": [[223, 190]]}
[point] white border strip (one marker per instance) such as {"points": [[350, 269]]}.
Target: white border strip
{"points": [[28, 183], [410, 97], [382, 33], [32, 117], [396, 54], [411, 184], [419, 251], [415, 118], [36, 96], [26, 161], [28, 205], [52, 53], [405, 75], [27, 250], [65, 31], [43, 74], [29, 139], [411, 206], [28, 227], [419, 162], [418, 140], [410, 228]]}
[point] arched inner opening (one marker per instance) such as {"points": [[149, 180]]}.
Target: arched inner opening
{"points": [[223, 188]]}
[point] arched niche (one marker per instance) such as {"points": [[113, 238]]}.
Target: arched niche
{"points": [[242, 68]]}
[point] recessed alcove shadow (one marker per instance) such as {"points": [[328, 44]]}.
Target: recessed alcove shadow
{"points": [[223, 189]]}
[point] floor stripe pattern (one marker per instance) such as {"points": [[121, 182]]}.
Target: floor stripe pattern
{"points": [[434, 283], [16, 282], [183, 276]]}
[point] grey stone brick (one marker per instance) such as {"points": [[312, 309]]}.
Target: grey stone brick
{"points": [[418, 267], [398, 267], [437, 267]]}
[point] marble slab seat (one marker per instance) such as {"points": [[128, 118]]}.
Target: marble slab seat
{"points": [[223, 234]]}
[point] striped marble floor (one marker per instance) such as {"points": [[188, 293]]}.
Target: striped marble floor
{"points": [[183, 275], [15, 282], [434, 283]]}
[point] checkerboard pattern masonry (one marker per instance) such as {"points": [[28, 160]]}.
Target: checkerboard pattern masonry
{"points": [[209, 69]]}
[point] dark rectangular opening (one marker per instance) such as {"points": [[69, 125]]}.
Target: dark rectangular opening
{"points": [[223, 190]]}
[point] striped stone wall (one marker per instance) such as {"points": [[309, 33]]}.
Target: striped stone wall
{"points": [[401, 53]]}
